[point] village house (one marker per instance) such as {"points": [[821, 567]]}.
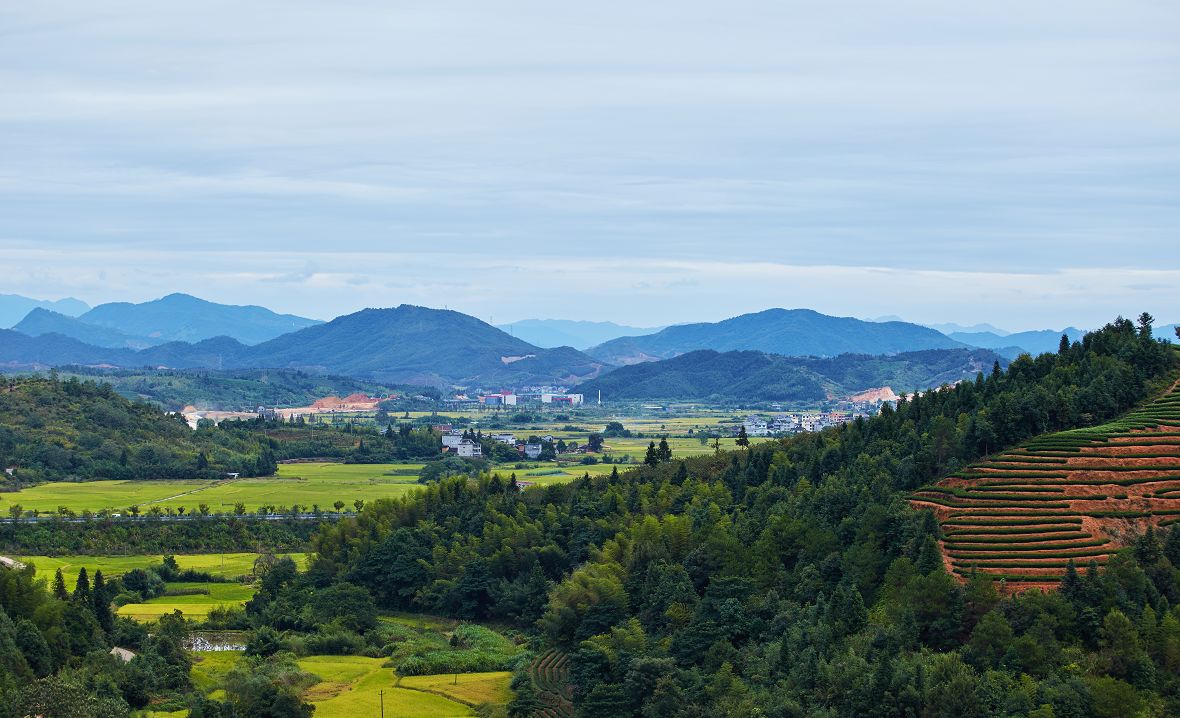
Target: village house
{"points": [[532, 451], [468, 449], [452, 439], [756, 426], [507, 439]]}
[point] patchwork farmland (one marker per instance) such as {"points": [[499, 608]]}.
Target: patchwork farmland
{"points": [[1078, 495]]}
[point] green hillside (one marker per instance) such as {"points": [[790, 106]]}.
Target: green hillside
{"points": [[749, 376], [78, 430]]}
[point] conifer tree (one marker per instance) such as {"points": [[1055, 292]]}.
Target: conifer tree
{"points": [[102, 603], [59, 587], [653, 457], [82, 587]]}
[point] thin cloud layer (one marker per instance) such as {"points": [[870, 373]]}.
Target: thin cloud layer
{"points": [[995, 163]]}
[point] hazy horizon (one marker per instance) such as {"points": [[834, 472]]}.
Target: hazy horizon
{"points": [[1008, 163]]}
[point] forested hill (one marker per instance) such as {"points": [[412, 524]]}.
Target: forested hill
{"points": [[792, 578], [405, 344], [80, 430], [749, 376], [420, 345], [790, 332]]}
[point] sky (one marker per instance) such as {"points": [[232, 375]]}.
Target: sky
{"points": [[1016, 163]]}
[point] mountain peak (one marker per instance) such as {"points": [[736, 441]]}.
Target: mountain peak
{"points": [[790, 332]]}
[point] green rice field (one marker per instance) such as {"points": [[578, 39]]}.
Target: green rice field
{"points": [[306, 484], [229, 565]]}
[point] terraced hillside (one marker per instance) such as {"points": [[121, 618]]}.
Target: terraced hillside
{"points": [[550, 672], [1076, 495]]}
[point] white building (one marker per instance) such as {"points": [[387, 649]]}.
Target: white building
{"points": [[468, 449], [755, 426], [507, 439], [532, 451], [784, 425], [452, 439], [571, 399], [813, 422]]}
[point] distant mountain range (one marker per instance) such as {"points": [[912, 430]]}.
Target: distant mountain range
{"points": [[44, 321], [1012, 345], [176, 317], [567, 333], [407, 344], [14, 307], [751, 376], [184, 318], [422, 346], [790, 332], [950, 328]]}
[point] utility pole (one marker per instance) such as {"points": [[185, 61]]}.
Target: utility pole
{"points": [[382, 696]]}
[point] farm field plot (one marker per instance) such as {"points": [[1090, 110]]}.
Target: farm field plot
{"points": [[307, 484], [469, 688], [350, 686], [1024, 514], [310, 484], [97, 495], [192, 605], [228, 565]]}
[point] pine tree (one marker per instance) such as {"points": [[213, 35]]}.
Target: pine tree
{"points": [[59, 587], [1071, 584], [102, 603], [929, 557], [743, 439], [652, 458], [665, 451], [82, 587]]}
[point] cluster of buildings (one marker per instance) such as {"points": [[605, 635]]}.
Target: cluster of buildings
{"points": [[533, 396], [796, 422], [454, 441]]}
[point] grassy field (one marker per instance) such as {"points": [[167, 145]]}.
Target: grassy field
{"points": [[305, 484], [469, 688], [229, 565], [95, 495], [351, 687], [193, 606]]}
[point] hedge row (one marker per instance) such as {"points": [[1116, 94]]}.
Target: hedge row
{"points": [[954, 504], [1013, 564], [1047, 554], [1088, 482], [968, 521], [1014, 578], [967, 537], [970, 547], [1005, 486]]}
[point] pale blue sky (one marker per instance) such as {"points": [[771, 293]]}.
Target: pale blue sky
{"points": [[648, 163]]}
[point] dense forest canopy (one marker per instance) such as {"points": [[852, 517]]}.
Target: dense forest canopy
{"points": [[81, 430], [792, 578]]}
